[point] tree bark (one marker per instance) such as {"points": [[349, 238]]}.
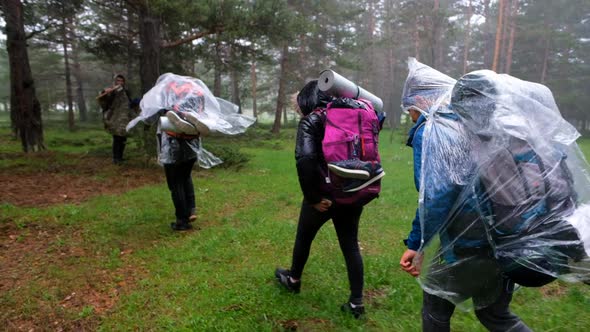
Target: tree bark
{"points": [[218, 65], [149, 66], [417, 39], [129, 46], [253, 79], [150, 40], [285, 119], [467, 37], [69, 102], [513, 15], [503, 40], [498, 35], [235, 81], [77, 72], [545, 59], [487, 36], [393, 108], [369, 69], [437, 50], [276, 128], [24, 106]]}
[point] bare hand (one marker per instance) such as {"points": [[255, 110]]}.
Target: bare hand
{"points": [[111, 89], [411, 262], [323, 205]]}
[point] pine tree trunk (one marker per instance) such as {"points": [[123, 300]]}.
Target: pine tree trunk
{"points": [[24, 106], [129, 46], [417, 39], [149, 67], [302, 55], [487, 36], [235, 82], [276, 128], [545, 59], [253, 79], [503, 40], [513, 15], [69, 98], [369, 69], [218, 68], [498, 35], [150, 41], [390, 67], [285, 120], [437, 52], [77, 72], [467, 38]]}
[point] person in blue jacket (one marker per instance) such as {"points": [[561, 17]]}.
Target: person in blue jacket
{"points": [[448, 210]]}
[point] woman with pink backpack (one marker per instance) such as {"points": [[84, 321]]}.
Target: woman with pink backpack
{"points": [[319, 204]]}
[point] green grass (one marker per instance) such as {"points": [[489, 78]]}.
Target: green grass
{"points": [[221, 276]]}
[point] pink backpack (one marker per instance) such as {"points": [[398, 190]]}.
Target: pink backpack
{"points": [[351, 132]]}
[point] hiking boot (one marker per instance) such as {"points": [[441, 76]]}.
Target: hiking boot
{"points": [[181, 123], [356, 310], [352, 168], [192, 118], [284, 278], [356, 184], [180, 226]]}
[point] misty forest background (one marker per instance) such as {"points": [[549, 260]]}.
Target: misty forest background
{"points": [[258, 53]]}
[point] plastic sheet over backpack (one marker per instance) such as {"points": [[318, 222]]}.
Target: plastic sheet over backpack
{"points": [[504, 191]]}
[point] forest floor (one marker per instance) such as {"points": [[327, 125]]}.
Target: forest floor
{"points": [[48, 179]]}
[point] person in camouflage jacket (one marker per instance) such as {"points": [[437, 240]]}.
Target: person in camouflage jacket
{"points": [[116, 114]]}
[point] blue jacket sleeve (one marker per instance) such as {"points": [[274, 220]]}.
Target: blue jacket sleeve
{"points": [[415, 237]]}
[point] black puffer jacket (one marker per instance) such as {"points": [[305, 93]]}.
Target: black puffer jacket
{"points": [[309, 156]]}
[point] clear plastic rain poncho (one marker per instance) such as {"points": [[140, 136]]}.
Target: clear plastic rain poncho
{"points": [[191, 95], [503, 191]]}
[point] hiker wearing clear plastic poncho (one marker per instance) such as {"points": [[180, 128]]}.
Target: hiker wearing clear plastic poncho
{"points": [[185, 110], [443, 162]]}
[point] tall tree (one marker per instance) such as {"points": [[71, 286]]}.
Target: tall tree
{"points": [[281, 96], [254, 90], [235, 78], [467, 37], [499, 28], [65, 44], [24, 105], [437, 33], [150, 26], [513, 16], [77, 71]]}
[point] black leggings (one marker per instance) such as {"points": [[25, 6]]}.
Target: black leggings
{"points": [[180, 183], [118, 147], [437, 312], [346, 222]]}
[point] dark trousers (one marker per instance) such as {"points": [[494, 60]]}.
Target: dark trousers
{"points": [[437, 312], [180, 183], [118, 147], [346, 222]]}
